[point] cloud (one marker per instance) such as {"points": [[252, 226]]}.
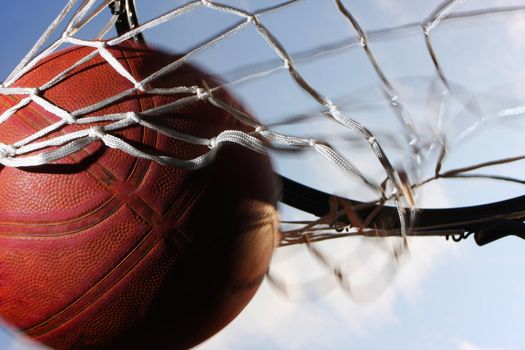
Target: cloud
{"points": [[328, 321], [10, 340], [515, 32], [466, 345], [19, 343], [272, 321]]}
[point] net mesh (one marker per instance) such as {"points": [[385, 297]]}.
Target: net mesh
{"points": [[417, 143]]}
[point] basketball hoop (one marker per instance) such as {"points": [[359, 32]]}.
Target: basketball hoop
{"points": [[487, 222]]}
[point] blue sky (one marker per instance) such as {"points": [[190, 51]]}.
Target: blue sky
{"points": [[446, 295]]}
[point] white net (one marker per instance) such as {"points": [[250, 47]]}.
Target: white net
{"points": [[326, 88]]}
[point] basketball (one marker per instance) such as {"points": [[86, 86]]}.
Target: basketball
{"points": [[105, 250]]}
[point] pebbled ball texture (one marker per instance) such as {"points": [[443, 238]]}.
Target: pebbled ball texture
{"points": [[104, 250]]}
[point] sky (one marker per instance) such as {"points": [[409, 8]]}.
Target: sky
{"points": [[445, 295]]}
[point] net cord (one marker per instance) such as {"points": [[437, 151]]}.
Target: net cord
{"points": [[34, 150]]}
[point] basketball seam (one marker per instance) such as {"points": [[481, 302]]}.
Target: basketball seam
{"points": [[34, 330], [107, 184], [131, 258]]}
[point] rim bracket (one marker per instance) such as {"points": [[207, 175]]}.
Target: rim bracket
{"points": [[127, 18]]}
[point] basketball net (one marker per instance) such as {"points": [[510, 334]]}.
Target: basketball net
{"points": [[396, 185]]}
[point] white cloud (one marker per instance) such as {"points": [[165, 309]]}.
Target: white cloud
{"points": [[332, 319], [19, 343], [515, 32], [466, 345], [10, 340]]}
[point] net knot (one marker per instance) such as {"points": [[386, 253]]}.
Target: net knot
{"points": [[69, 118], [202, 94], [260, 129], [7, 150], [96, 132], [251, 19], [139, 86], [35, 91], [332, 108], [212, 143], [133, 117]]}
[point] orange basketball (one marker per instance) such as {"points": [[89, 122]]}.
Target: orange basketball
{"points": [[105, 250]]}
